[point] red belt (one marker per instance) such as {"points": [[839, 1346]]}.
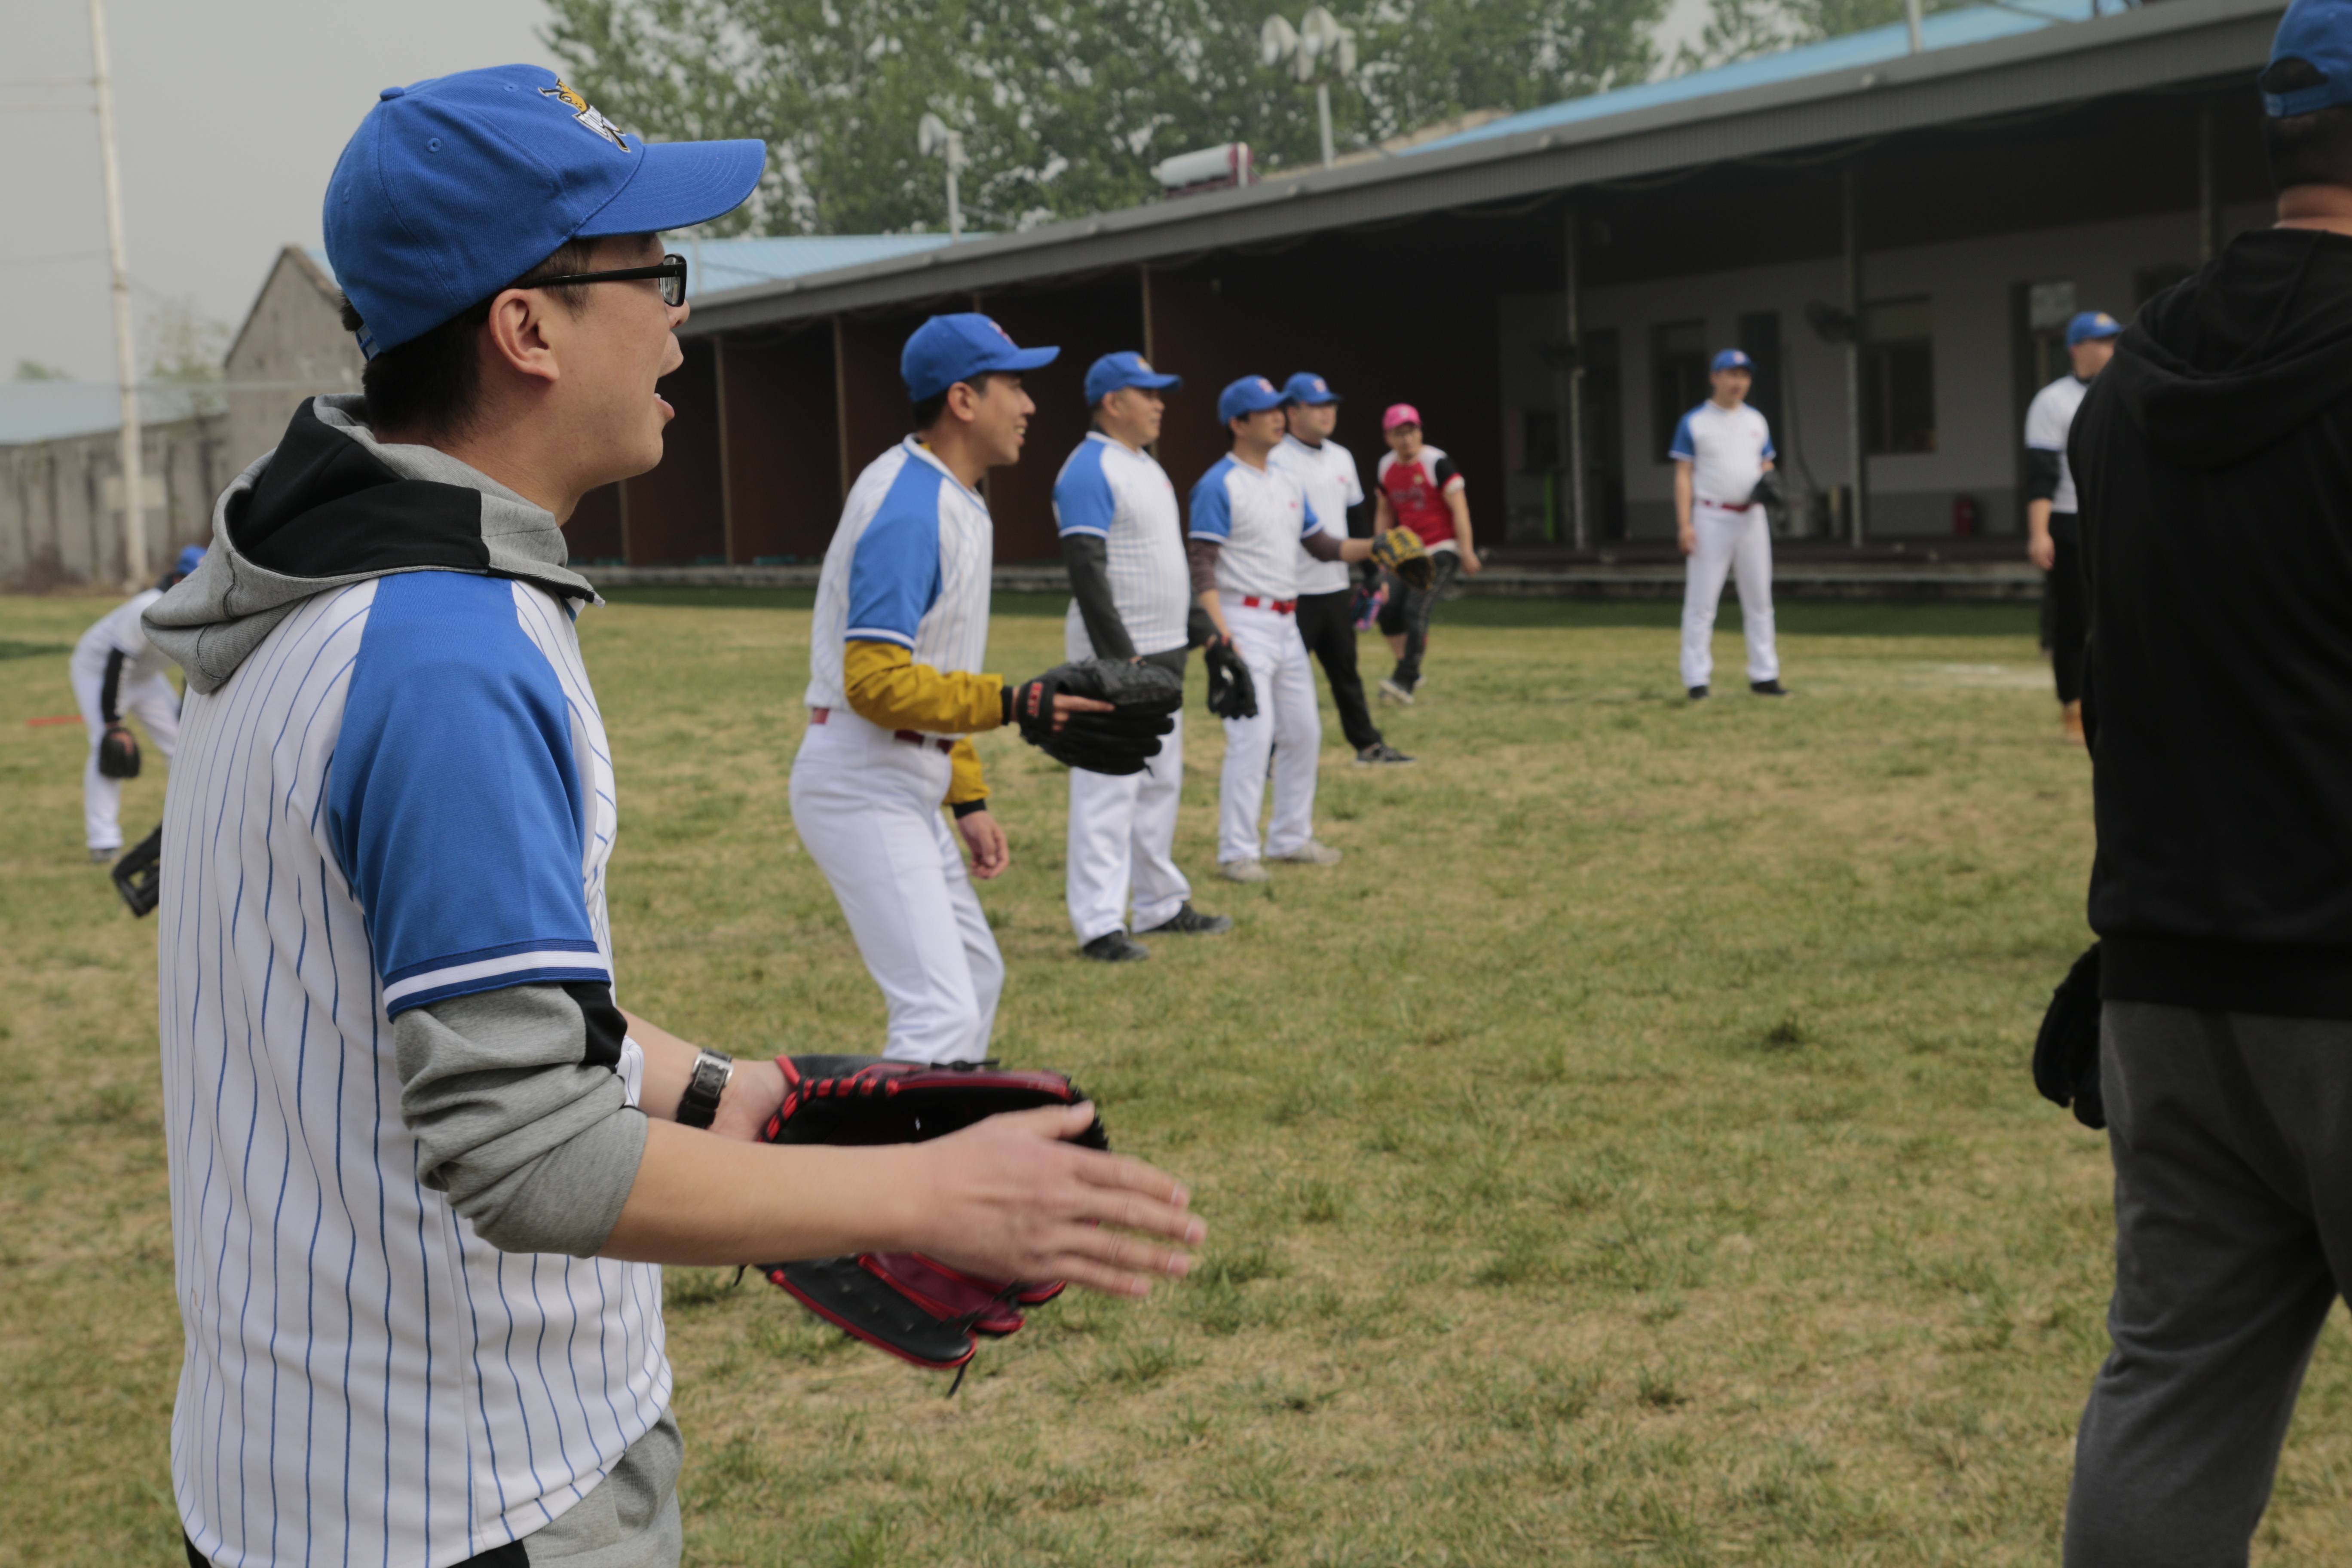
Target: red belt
{"points": [[1727, 506], [911, 737], [1279, 607]]}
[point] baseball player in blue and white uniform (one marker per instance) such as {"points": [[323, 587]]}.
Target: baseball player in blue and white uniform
{"points": [[422, 1168], [896, 693], [1131, 597], [116, 674], [2053, 533], [1721, 450], [1249, 521]]}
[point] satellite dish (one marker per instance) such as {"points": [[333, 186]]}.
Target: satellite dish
{"points": [[1343, 58], [1277, 41], [931, 135], [1321, 28]]}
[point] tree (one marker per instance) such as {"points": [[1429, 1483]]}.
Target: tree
{"points": [[1063, 105], [1739, 29], [34, 370]]}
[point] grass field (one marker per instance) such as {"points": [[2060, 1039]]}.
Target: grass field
{"points": [[1626, 1156]]}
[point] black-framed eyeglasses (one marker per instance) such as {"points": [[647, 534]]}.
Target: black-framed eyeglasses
{"points": [[672, 273]]}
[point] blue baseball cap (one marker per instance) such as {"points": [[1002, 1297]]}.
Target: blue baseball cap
{"points": [[2091, 324], [191, 557], [1309, 387], [1125, 368], [1732, 359], [1250, 394], [2311, 59], [949, 349], [455, 187]]}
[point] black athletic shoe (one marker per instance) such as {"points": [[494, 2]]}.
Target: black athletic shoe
{"points": [[1768, 689], [1380, 751], [1697, 693], [1189, 922], [1115, 947]]}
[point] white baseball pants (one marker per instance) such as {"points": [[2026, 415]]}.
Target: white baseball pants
{"points": [[156, 706], [1123, 844], [1288, 727], [868, 808], [1738, 544]]}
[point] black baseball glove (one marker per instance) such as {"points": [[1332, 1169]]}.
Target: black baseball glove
{"points": [[138, 875], [1144, 698], [2066, 1051], [914, 1307], [117, 753], [1769, 493], [1233, 694]]}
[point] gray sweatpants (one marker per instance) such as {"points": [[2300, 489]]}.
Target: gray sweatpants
{"points": [[2231, 1135]]}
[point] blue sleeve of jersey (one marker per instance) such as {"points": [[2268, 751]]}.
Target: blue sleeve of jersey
{"points": [[1082, 500], [1311, 524], [1213, 510], [893, 573], [454, 804], [1683, 447]]}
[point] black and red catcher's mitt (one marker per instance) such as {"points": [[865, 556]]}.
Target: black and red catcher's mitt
{"points": [[915, 1307]]}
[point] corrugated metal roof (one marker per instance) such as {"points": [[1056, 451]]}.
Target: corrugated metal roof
{"points": [[1942, 31], [51, 410], [723, 264]]}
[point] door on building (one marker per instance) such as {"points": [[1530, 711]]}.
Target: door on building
{"points": [[1604, 435]]}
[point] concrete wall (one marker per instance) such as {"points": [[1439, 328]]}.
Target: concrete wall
{"points": [[56, 526], [1970, 287]]}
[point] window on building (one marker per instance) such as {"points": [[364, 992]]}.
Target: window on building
{"points": [[1759, 338], [1678, 356], [1898, 378]]}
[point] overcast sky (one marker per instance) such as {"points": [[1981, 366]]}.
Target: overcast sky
{"points": [[230, 114]]}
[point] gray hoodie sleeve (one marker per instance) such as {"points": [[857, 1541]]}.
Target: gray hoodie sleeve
{"points": [[521, 1124]]}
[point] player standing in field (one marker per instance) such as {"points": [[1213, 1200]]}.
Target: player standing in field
{"points": [[115, 672], [1326, 592], [422, 1167], [1721, 450], [896, 694], [1248, 520], [2053, 534], [1131, 597], [1422, 490]]}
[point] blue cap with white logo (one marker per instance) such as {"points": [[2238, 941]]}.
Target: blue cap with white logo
{"points": [[1250, 394], [2091, 324], [949, 349], [1309, 387], [2311, 59], [1126, 368], [456, 187], [1732, 359]]}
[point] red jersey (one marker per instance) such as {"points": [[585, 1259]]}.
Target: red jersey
{"points": [[1417, 492]]}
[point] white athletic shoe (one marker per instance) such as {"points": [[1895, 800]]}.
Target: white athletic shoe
{"points": [[1314, 852], [1242, 871], [1394, 692]]}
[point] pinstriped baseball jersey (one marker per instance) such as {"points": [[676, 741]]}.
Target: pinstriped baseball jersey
{"points": [[403, 793], [1257, 516], [1124, 499], [1327, 472], [909, 564]]}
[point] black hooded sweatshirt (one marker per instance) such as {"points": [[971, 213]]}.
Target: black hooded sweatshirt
{"points": [[2215, 459]]}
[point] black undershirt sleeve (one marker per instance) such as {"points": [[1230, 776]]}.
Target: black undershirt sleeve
{"points": [[2041, 474], [111, 692], [1089, 559], [1320, 545], [1360, 521], [1202, 554]]}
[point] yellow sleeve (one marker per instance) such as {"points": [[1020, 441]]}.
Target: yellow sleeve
{"points": [[966, 782], [887, 687]]}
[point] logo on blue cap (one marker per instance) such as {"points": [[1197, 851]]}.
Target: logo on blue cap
{"points": [[1124, 369], [1732, 359], [949, 349], [454, 187], [2091, 324], [1308, 387], [1250, 394]]}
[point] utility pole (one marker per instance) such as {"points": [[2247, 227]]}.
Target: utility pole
{"points": [[934, 140], [1323, 119], [1912, 13], [126, 358]]}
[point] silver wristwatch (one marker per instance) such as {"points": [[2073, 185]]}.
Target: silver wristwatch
{"points": [[698, 1106]]}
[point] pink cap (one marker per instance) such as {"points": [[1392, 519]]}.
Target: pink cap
{"points": [[1400, 414]]}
